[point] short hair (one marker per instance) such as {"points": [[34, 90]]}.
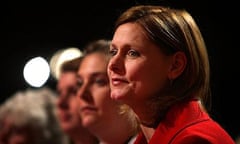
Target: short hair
{"points": [[101, 45], [70, 65], [35, 108], [174, 30]]}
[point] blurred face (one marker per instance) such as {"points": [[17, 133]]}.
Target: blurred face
{"points": [[138, 69], [96, 106], [67, 104], [11, 134]]}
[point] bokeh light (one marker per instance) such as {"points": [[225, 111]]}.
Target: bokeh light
{"points": [[36, 71]]}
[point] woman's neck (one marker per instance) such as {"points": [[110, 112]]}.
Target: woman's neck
{"points": [[116, 131], [83, 137], [147, 131]]}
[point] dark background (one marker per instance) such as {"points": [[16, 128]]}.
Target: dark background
{"points": [[41, 28]]}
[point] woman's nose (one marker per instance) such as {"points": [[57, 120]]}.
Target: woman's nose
{"points": [[116, 65], [62, 101], [84, 93]]}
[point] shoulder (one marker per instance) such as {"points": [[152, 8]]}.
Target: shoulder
{"points": [[205, 132]]}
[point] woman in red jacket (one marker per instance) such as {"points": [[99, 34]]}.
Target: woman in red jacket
{"points": [[160, 68]]}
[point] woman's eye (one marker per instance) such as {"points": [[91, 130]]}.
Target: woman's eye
{"points": [[79, 83], [112, 52], [133, 53], [73, 90], [101, 82]]}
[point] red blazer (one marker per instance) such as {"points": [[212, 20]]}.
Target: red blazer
{"points": [[186, 123]]}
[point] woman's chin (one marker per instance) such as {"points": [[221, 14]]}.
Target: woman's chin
{"points": [[117, 95]]}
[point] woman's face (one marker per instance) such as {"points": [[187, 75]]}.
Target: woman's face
{"points": [[138, 69], [12, 134], [96, 106], [67, 105]]}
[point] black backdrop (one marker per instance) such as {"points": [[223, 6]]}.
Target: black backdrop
{"points": [[42, 28]]}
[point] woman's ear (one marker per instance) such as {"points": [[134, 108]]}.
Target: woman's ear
{"points": [[179, 62]]}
